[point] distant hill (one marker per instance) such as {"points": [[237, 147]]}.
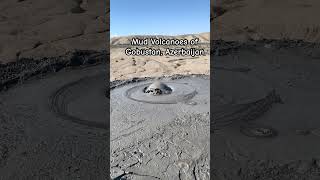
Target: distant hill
{"points": [[121, 40], [242, 20]]}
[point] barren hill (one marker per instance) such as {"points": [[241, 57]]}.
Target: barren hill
{"points": [[242, 20], [203, 38]]}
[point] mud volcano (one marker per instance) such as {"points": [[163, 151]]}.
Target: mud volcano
{"points": [[160, 128], [161, 93]]}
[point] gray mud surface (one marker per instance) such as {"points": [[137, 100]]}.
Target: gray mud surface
{"points": [[264, 119], [48, 133], [275, 136], [157, 140], [82, 101]]}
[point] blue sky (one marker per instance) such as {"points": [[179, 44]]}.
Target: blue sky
{"points": [[167, 17]]}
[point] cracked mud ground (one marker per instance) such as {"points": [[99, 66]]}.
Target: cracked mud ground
{"points": [[168, 153]]}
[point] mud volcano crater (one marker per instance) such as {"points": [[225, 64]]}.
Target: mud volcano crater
{"points": [[161, 92], [157, 88]]}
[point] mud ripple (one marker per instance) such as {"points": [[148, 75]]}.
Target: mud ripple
{"points": [[86, 89]]}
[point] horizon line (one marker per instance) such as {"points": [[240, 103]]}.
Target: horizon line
{"points": [[182, 34]]}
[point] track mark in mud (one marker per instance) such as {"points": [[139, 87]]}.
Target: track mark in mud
{"points": [[127, 134], [135, 124], [253, 130], [59, 101], [244, 112], [182, 59], [235, 69]]}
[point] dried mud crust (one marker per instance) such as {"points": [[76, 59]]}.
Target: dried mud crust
{"points": [[221, 48], [268, 169], [26, 68], [11, 133], [164, 154]]}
